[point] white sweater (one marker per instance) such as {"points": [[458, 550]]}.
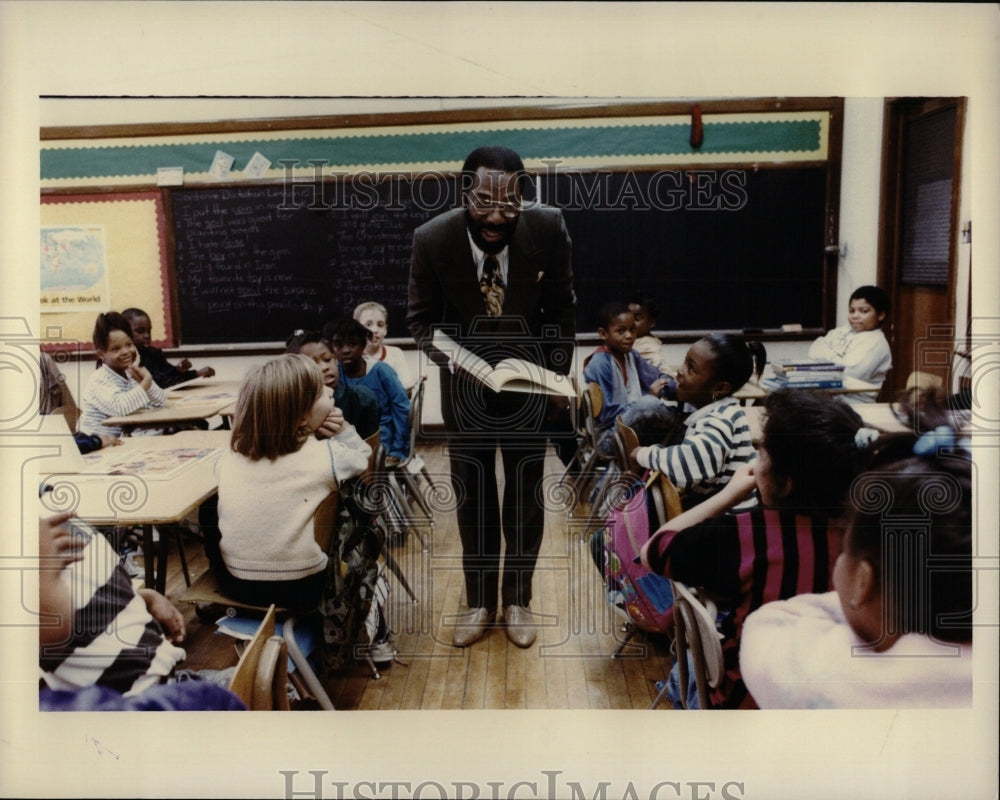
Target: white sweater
{"points": [[266, 507], [802, 653], [865, 356]]}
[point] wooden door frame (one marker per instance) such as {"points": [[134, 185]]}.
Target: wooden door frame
{"points": [[898, 111]]}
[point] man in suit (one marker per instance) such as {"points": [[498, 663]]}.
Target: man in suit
{"points": [[495, 276]]}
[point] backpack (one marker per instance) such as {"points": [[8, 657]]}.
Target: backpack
{"points": [[644, 598]]}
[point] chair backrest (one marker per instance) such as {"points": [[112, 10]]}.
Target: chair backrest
{"points": [[666, 498], [261, 673], [923, 380], [325, 520], [593, 402], [695, 632]]}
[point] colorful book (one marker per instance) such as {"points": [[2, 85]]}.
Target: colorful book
{"points": [[809, 375], [788, 365], [771, 384]]}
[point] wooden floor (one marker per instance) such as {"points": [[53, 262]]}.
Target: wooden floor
{"points": [[569, 666]]}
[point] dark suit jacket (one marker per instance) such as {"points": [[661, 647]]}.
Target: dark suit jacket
{"points": [[538, 323]]}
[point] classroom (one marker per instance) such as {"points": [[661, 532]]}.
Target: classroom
{"points": [[570, 667], [230, 234]]}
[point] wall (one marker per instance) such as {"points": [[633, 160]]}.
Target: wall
{"points": [[858, 217]]}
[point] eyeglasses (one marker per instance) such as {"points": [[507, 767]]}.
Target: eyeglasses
{"points": [[484, 206]]}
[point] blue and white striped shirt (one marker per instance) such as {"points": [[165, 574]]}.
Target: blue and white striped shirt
{"points": [[717, 441]]}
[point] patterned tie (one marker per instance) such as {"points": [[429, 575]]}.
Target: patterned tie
{"points": [[491, 285]]}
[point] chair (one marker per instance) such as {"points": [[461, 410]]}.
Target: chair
{"points": [[695, 632], [261, 675], [206, 590], [376, 496], [919, 381], [408, 478]]}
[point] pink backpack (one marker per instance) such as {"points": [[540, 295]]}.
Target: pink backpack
{"points": [[645, 598]]}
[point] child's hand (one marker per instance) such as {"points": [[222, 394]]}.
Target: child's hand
{"points": [[109, 440], [743, 482], [142, 376], [332, 425], [206, 372], [183, 365], [164, 612], [657, 386], [57, 546]]}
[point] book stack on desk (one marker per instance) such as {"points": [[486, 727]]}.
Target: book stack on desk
{"points": [[805, 374]]}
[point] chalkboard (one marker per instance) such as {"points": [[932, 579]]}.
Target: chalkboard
{"points": [[716, 249], [255, 263]]}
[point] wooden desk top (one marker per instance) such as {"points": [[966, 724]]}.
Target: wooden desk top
{"points": [[115, 490], [201, 398]]}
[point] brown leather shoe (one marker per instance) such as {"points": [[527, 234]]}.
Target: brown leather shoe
{"points": [[520, 625], [470, 626]]}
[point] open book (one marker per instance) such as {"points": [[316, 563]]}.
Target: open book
{"points": [[510, 375]]}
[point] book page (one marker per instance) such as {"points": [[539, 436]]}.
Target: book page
{"points": [[518, 375], [463, 359]]}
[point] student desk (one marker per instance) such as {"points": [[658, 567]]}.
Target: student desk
{"points": [[876, 415], [198, 399], [146, 488]]}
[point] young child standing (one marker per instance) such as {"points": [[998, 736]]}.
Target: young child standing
{"points": [[807, 458], [358, 404], [121, 384], [375, 317], [349, 338], [164, 373], [628, 382], [646, 344], [897, 631], [273, 480], [717, 439], [860, 345]]}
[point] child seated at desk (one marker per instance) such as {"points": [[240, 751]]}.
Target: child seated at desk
{"points": [[121, 385], [629, 384], [860, 345], [717, 439], [359, 405], [164, 373], [349, 338], [646, 344], [897, 631], [273, 480], [375, 317], [808, 457]]}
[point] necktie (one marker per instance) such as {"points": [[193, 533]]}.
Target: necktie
{"points": [[491, 285]]}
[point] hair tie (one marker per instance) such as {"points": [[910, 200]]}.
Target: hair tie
{"points": [[942, 437], [864, 437], [298, 332]]}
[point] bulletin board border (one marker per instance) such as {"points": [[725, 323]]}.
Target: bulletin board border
{"points": [[54, 339], [615, 136]]}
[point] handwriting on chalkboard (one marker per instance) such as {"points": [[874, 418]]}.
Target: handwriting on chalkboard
{"points": [[254, 263]]}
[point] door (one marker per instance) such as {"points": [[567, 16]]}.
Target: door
{"points": [[922, 159]]}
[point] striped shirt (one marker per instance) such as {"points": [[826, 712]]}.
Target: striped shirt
{"points": [[745, 561], [109, 394], [114, 641], [717, 441]]}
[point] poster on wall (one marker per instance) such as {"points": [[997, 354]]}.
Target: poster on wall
{"points": [[74, 268]]}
